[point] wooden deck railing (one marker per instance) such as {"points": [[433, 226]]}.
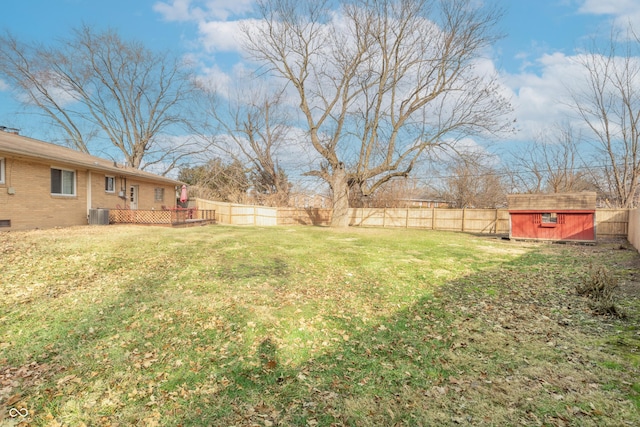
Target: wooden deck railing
{"points": [[173, 217]]}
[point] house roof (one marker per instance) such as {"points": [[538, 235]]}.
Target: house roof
{"points": [[28, 148], [585, 200]]}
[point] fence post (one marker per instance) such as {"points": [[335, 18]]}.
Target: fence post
{"points": [[406, 219], [463, 213], [433, 217]]}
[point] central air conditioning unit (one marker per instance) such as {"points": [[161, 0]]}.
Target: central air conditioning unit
{"points": [[98, 216]]}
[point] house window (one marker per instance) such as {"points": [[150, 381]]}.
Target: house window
{"points": [[550, 218], [159, 194], [1, 170], [110, 184], [63, 182]]}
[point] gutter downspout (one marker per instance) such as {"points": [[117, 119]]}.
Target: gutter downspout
{"points": [[88, 193]]}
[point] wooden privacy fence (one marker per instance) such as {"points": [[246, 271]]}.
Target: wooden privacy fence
{"points": [[493, 221], [610, 223], [634, 228], [236, 214]]}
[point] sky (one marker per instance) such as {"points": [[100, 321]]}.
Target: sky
{"points": [[533, 58]]}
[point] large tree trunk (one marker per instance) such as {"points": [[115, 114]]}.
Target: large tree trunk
{"points": [[362, 90], [340, 197]]}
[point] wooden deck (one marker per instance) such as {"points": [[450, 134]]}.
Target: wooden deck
{"points": [[179, 217]]}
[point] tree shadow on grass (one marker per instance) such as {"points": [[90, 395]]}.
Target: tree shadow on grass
{"points": [[506, 346]]}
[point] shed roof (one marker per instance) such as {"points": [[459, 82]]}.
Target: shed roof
{"points": [[585, 200], [28, 148]]}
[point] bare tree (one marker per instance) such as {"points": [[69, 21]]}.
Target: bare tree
{"points": [[251, 127], [217, 180], [524, 171], [397, 193], [380, 83], [471, 181], [609, 104], [554, 163], [96, 85]]}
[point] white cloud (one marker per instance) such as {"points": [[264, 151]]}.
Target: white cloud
{"points": [[541, 89], [622, 12], [216, 80], [609, 7], [540, 100], [3, 86], [223, 9], [218, 21], [220, 36], [61, 96], [468, 146], [176, 10], [202, 11]]}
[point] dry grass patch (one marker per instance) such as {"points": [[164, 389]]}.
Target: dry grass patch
{"points": [[309, 327]]}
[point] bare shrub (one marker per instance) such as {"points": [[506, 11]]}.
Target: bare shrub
{"points": [[599, 285]]}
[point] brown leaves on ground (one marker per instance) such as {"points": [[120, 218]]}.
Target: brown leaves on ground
{"points": [[13, 380], [165, 342], [526, 338]]}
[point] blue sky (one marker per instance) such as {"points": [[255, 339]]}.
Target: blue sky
{"points": [[540, 37]]}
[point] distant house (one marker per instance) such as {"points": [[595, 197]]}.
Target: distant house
{"points": [[553, 217], [43, 185], [305, 200], [422, 203]]}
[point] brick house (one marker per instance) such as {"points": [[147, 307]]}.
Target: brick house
{"points": [[43, 185]]}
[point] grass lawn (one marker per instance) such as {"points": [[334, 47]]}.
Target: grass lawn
{"points": [[233, 326]]}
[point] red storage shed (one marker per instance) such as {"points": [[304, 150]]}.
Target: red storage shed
{"points": [[554, 217]]}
